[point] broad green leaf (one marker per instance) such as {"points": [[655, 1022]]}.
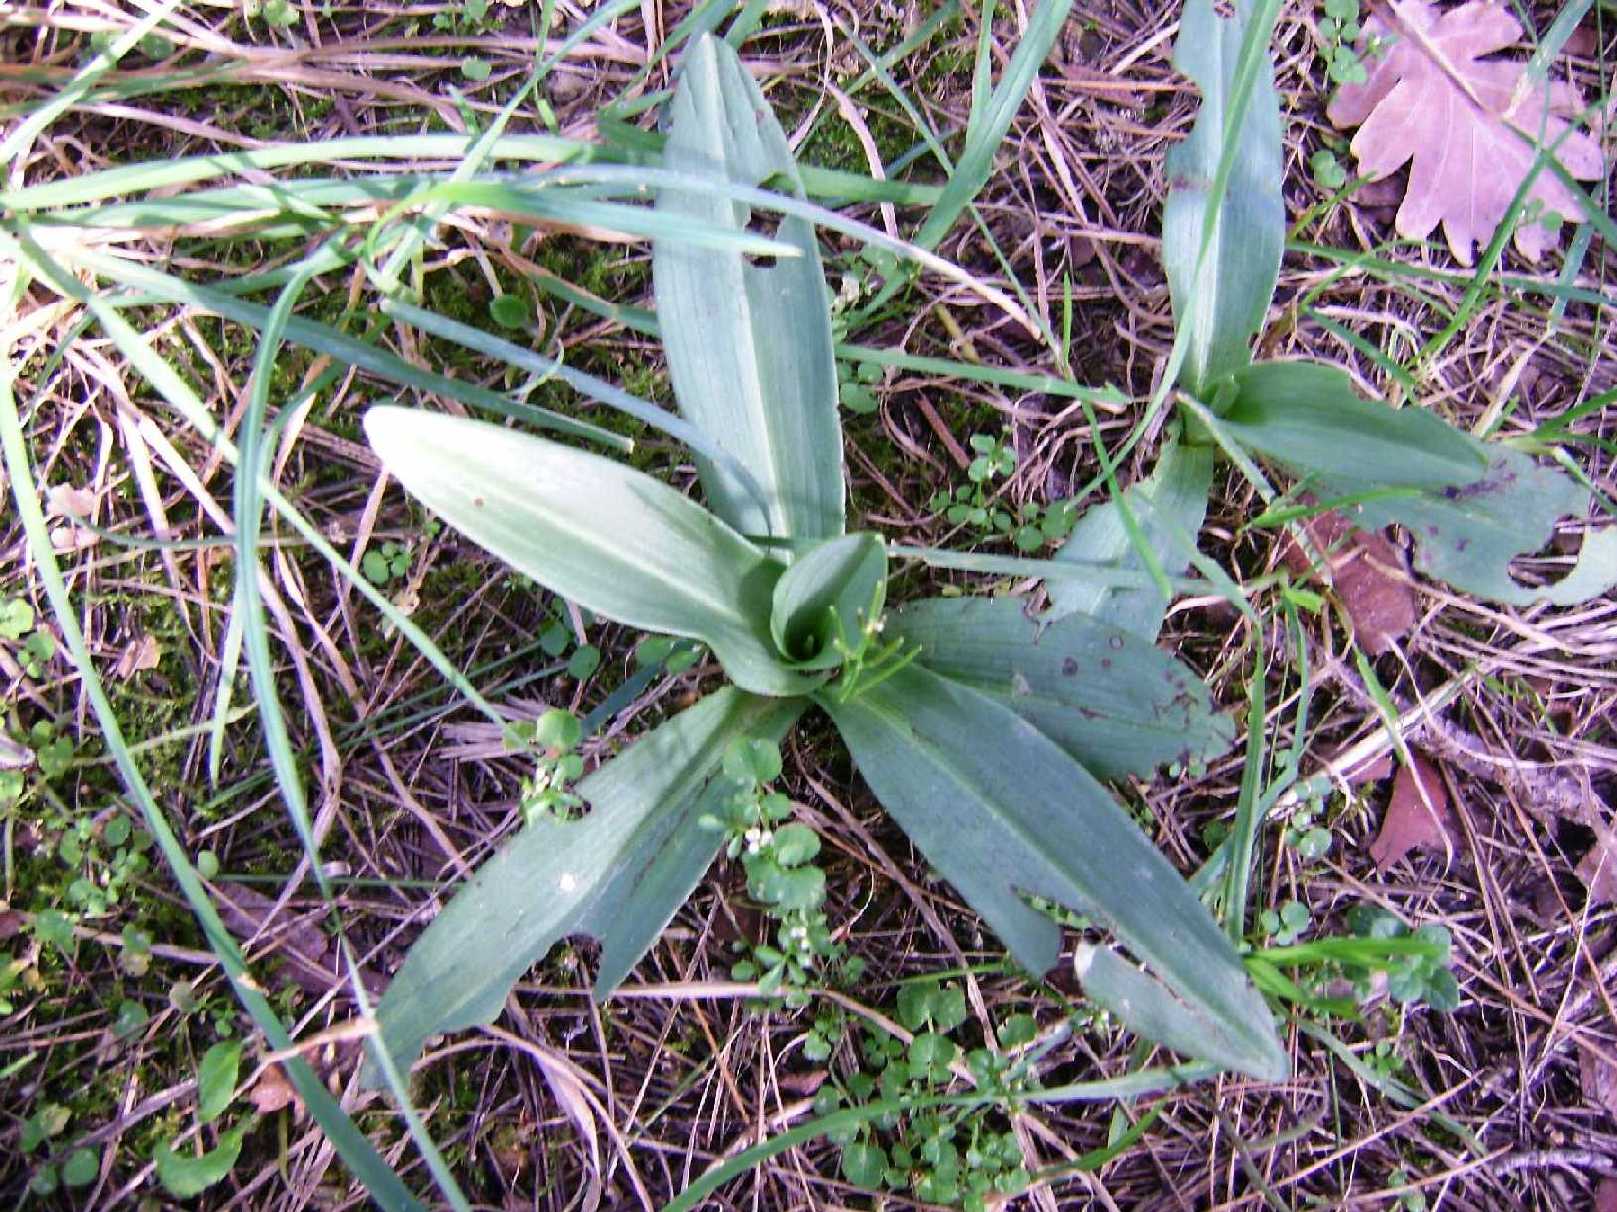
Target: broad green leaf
{"points": [[216, 1079], [1222, 267], [1468, 535], [612, 539], [829, 594], [748, 340], [1113, 701], [1170, 505], [1147, 1007], [619, 874], [1004, 813], [187, 1176], [1307, 417]]}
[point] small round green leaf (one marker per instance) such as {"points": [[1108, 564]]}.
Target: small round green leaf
{"points": [[216, 1079], [557, 730], [187, 1176], [80, 1169], [795, 844], [863, 1165], [511, 311], [1018, 1030], [753, 760]]}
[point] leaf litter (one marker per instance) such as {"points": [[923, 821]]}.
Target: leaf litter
{"points": [[1466, 125], [1368, 573], [1418, 816]]}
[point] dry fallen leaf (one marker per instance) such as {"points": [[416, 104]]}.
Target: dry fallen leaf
{"points": [[1431, 97], [65, 501], [1598, 871], [1364, 570], [272, 1091], [1411, 823], [1599, 1082], [138, 655], [309, 956]]}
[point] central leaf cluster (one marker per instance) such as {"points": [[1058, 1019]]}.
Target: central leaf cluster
{"points": [[826, 608]]}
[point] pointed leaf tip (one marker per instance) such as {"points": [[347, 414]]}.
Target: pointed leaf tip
{"points": [[749, 343]]}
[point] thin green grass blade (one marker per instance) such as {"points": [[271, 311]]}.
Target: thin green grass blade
{"points": [[249, 515], [352, 1146], [322, 338], [586, 384], [168, 384], [21, 138], [984, 137], [1108, 398], [252, 453], [1248, 813]]}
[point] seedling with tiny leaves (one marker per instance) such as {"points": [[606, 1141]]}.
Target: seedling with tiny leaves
{"points": [[778, 856], [963, 1155], [1029, 526], [389, 562], [1339, 29], [980, 729], [31, 646]]}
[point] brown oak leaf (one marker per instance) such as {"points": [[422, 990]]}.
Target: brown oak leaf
{"points": [[1364, 569], [1411, 823], [1432, 99]]}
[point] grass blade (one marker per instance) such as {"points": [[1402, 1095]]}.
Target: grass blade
{"points": [[984, 137], [357, 1152]]}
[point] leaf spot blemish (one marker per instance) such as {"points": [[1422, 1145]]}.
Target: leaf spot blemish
{"points": [[1115, 642], [1070, 666], [478, 502]]}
